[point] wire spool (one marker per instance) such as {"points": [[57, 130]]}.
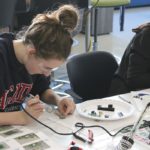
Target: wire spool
{"points": [[125, 143]]}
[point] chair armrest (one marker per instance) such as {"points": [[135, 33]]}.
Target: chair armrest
{"points": [[62, 81], [62, 94]]}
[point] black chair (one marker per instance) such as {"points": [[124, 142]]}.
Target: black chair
{"points": [[7, 10], [90, 75], [24, 6]]}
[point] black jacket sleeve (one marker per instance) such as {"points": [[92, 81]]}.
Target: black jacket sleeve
{"points": [[138, 72]]}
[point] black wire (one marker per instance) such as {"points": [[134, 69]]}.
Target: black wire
{"points": [[78, 124], [71, 133], [82, 126]]}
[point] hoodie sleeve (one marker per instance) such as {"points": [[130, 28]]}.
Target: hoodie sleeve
{"points": [[138, 73], [40, 84]]}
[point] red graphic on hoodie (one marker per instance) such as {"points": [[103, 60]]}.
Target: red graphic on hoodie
{"points": [[15, 94]]}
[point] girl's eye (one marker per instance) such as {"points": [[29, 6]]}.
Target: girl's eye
{"points": [[48, 69]]}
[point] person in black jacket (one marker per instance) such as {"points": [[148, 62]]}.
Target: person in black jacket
{"points": [[26, 64], [134, 70]]}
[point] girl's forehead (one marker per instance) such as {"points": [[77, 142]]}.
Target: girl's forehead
{"points": [[52, 62]]}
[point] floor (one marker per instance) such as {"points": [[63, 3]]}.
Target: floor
{"points": [[114, 42]]}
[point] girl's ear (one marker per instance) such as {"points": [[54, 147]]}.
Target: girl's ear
{"points": [[31, 50]]}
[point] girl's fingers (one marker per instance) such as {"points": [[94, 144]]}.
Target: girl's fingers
{"points": [[38, 107], [66, 107], [33, 101]]}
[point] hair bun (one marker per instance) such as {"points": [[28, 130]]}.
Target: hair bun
{"points": [[68, 16]]}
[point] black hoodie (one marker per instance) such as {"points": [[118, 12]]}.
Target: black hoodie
{"points": [[15, 82]]}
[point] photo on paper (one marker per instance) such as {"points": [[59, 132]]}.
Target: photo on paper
{"points": [[3, 146], [27, 138], [142, 136], [41, 145], [5, 128], [11, 132]]}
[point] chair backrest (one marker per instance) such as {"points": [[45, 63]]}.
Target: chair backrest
{"points": [[90, 74], [7, 9], [24, 6]]}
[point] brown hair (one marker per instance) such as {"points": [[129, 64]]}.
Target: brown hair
{"points": [[50, 32]]}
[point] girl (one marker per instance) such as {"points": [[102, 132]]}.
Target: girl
{"points": [[26, 63]]}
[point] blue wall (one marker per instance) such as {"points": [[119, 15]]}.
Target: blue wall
{"points": [[135, 3]]}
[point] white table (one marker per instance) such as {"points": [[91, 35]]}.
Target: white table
{"points": [[25, 137], [101, 139]]}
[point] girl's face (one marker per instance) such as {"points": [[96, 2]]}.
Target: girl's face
{"points": [[35, 65]]}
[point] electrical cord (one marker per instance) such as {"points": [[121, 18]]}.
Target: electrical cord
{"points": [[82, 126], [78, 124], [44, 124]]}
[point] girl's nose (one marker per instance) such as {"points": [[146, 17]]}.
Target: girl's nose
{"points": [[47, 73]]}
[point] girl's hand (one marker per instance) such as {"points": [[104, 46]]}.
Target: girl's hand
{"points": [[34, 107], [66, 106]]}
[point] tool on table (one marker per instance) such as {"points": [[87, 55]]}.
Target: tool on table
{"points": [[127, 141]]}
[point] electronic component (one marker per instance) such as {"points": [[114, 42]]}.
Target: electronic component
{"points": [[109, 108], [89, 138], [120, 114]]}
